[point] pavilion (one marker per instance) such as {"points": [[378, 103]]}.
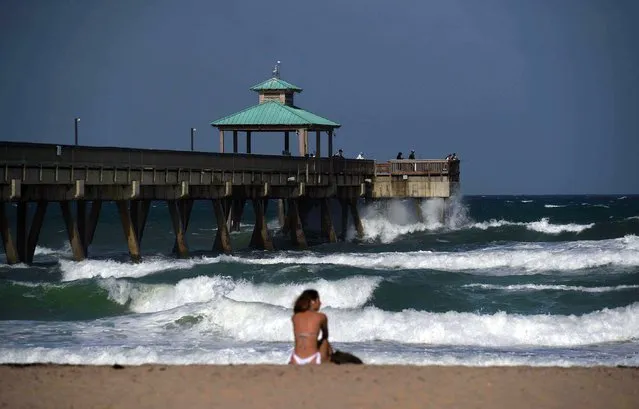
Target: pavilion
{"points": [[276, 112]]}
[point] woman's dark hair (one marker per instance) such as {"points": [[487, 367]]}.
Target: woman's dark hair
{"points": [[303, 302]]}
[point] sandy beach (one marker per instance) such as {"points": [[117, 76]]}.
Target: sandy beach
{"points": [[347, 386]]}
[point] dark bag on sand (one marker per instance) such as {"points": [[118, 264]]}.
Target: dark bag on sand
{"points": [[339, 357]]}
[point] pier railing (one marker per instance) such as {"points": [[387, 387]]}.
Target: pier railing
{"points": [[80, 156], [15, 154], [425, 167]]}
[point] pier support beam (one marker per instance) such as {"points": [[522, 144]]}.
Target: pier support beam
{"points": [[328, 232], [295, 225], [77, 247], [357, 221], [129, 231], [34, 231], [227, 206], [304, 206], [344, 205], [237, 208], [418, 210], [92, 223], [445, 211], [281, 215], [7, 239], [222, 237], [184, 208], [81, 218], [139, 215], [21, 231], [178, 222], [85, 225], [260, 238], [27, 237]]}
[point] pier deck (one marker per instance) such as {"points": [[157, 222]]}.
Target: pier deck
{"points": [[80, 178]]}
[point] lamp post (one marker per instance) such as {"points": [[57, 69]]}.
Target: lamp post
{"points": [[76, 130], [192, 135]]}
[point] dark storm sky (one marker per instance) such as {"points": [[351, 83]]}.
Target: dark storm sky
{"points": [[535, 96]]}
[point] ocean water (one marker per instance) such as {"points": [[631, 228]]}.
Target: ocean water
{"points": [[509, 280]]}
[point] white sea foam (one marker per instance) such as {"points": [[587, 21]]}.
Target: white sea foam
{"points": [[552, 206], [386, 221], [351, 292], [41, 251], [279, 354], [552, 287], [110, 268], [526, 201], [229, 331], [253, 322], [30, 284], [151, 354], [497, 260], [542, 226]]}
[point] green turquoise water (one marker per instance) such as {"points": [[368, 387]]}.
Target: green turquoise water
{"points": [[540, 280]]}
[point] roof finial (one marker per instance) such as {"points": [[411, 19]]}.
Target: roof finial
{"points": [[276, 70]]}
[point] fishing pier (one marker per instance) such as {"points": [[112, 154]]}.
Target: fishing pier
{"points": [[81, 178]]}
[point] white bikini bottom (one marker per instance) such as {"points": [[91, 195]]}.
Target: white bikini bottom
{"points": [[316, 358]]}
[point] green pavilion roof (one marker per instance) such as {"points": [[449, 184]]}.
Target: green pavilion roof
{"points": [[275, 84], [273, 113]]}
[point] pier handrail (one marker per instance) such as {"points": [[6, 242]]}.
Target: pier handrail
{"points": [[36, 154], [417, 167]]}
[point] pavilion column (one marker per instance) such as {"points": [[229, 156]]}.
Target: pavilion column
{"points": [[287, 142], [235, 142], [221, 141], [248, 141], [303, 141], [318, 145], [330, 143]]}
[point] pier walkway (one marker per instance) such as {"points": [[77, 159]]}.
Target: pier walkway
{"points": [[81, 178]]}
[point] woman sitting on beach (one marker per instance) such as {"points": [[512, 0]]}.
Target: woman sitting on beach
{"points": [[308, 322]]}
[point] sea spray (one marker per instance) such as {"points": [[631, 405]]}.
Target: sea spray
{"points": [[387, 221]]}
